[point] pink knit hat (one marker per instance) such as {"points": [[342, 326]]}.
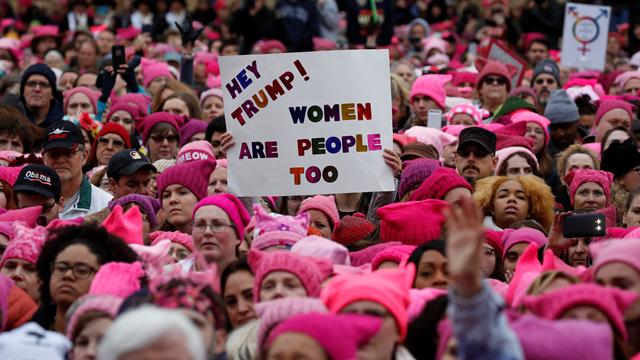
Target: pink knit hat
{"points": [[158, 117], [397, 254], [27, 216], [623, 78], [141, 102], [117, 279], [324, 204], [505, 153], [366, 255], [190, 128], [434, 42], [275, 230], [355, 331], [26, 244], [135, 112], [193, 175], [320, 247], [154, 257], [530, 116], [9, 174], [612, 302], [197, 150], [414, 173], [612, 104], [174, 236], [310, 271], [436, 186], [265, 46], [127, 226], [491, 67], [511, 237], [580, 176], [431, 136], [626, 251], [105, 304], [387, 287], [153, 71], [431, 86], [420, 298], [273, 312], [89, 93], [232, 206], [476, 114], [412, 222], [211, 92]]}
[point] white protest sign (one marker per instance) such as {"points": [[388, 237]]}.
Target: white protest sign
{"points": [[308, 123], [584, 39]]}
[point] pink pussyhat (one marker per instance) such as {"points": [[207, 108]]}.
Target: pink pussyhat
{"points": [[27, 216], [155, 256], [232, 206], [105, 304], [580, 176], [92, 95], [193, 175], [9, 174], [431, 86], [320, 247], [387, 287], [396, 254], [511, 237], [173, 236], [625, 251], [612, 302], [25, 244], [476, 114], [531, 117], [612, 104], [275, 230], [355, 331], [420, 298], [412, 222], [366, 255], [211, 92], [127, 226], [190, 129], [325, 204], [117, 279], [196, 150], [154, 71], [506, 153]]}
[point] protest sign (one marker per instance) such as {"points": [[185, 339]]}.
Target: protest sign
{"points": [[584, 39], [500, 53], [308, 123]]}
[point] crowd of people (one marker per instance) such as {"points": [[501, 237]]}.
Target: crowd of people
{"points": [[120, 239]]}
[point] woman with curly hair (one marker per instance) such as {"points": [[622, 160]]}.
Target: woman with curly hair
{"points": [[506, 200]]}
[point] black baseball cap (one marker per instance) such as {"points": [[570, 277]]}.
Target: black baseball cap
{"points": [[477, 135], [127, 162], [63, 134], [39, 179]]}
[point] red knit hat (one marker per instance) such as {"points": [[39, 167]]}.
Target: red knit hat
{"points": [[491, 67], [193, 175], [352, 228], [310, 271], [111, 128], [439, 184], [506, 141], [159, 117], [494, 239], [412, 222]]}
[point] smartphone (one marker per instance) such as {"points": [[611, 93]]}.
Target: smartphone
{"points": [[117, 56], [434, 119], [584, 225], [147, 29]]}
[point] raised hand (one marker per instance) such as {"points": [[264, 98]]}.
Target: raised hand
{"points": [[187, 32]]}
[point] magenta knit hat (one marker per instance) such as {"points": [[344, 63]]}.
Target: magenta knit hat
{"points": [[117, 279], [273, 312], [491, 67], [438, 184], [431, 86], [612, 104], [324, 204], [319, 247], [355, 331], [232, 206], [27, 216], [511, 237], [275, 230], [310, 271], [193, 175], [141, 102], [505, 153], [91, 94], [530, 116], [412, 222], [153, 71], [105, 304], [397, 254], [26, 244], [580, 176], [134, 111], [612, 302], [158, 117], [190, 128], [626, 251], [6, 229], [173, 236], [414, 173], [197, 150]]}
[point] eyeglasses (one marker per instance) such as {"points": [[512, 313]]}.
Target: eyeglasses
{"points": [[548, 81], [160, 138], [114, 142], [215, 227], [495, 80], [80, 270], [34, 83]]}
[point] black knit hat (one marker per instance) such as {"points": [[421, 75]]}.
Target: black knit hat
{"points": [[44, 70], [620, 158]]}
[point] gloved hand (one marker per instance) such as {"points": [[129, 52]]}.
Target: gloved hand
{"points": [[105, 81], [187, 32], [129, 76]]}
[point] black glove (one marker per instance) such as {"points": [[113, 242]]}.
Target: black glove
{"points": [[105, 82], [129, 75], [187, 32]]}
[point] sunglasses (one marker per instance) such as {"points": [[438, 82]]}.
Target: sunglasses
{"points": [[114, 142], [495, 80], [160, 138], [548, 81], [478, 153]]}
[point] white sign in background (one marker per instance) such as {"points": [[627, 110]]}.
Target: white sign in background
{"points": [[356, 81], [584, 39]]}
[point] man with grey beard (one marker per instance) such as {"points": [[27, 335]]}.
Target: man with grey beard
{"points": [[546, 77]]}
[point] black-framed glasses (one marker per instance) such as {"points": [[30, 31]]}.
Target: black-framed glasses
{"points": [[115, 142], [498, 80], [80, 270]]}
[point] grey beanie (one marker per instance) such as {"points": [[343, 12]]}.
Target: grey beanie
{"points": [[561, 109], [547, 66]]}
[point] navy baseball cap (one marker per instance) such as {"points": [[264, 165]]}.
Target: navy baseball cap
{"points": [[127, 162]]}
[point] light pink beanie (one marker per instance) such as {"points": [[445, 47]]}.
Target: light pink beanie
{"points": [[319, 247], [431, 86]]}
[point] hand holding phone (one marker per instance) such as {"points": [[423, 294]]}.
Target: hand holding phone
{"points": [[587, 225], [434, 119]]}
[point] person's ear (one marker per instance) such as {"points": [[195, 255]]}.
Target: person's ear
{"points": [[112, 185], [61, 202], [494, 161]]}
